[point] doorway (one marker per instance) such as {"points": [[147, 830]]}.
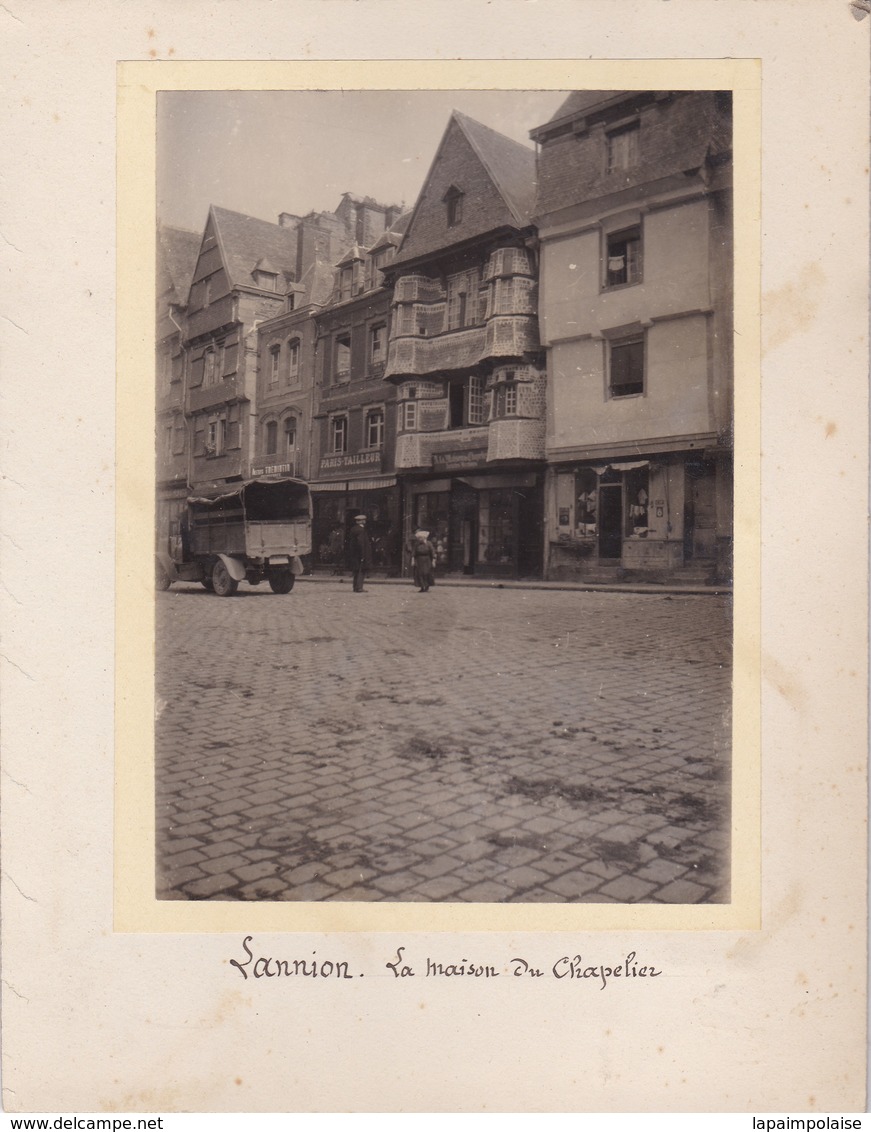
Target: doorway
{"points": [[464, 528], [610, 520], [700, 512]]}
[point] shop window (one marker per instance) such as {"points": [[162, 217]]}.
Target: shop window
{"points": [[293, 362], [339, 426], [623, 262], [431, 513], [274, 365], [622, 147], [586, 503], [453, 199], [375, 428], [637, 487], [343, 358], [496, 530], [271, 443], [626, 367]]}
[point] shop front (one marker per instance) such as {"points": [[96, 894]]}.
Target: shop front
{"points": [[336, 503], [480, 523], [666, 515]]}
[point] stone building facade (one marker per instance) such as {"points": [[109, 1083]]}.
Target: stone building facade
{"points": [[464, 357], [634, 216], [177, 251], [354, 428]]}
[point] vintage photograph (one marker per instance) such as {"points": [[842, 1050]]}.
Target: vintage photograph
{"points": [[475, 347]]}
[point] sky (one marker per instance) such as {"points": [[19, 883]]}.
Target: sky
{"points": [[266, 152]]}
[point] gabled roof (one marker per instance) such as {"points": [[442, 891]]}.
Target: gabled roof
{"points": [[511, 165], [393, 237], [177, 251], [509, 168], [355, 252], [246, 241]]}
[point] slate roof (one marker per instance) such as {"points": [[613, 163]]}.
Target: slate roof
{"points": [[511, 165], [581, 102], [503, 194], [177, 252], [245, 240]]}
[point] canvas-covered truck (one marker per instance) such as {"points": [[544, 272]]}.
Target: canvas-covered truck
{"points": [[255, 530]]}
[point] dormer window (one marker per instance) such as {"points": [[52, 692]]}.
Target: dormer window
{"points": [[453, 199], [265, 275], [622, 146]]}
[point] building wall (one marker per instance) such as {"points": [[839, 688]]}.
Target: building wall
{"points": [[289, 396], [575, 167], [676, 400], [643, 477]]}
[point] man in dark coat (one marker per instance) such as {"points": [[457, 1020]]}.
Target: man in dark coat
{"points": [[359, 552]]}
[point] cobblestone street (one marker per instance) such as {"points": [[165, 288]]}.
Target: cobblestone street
{"points": [[469, 744]]}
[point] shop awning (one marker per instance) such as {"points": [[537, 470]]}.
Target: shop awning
{"points": [[623, 466], [356, 485]]}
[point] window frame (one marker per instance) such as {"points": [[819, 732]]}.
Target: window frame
{"points": [[409, 416], [216, 437], [270, 438], [453, 200], [274, 365], [615, 161], [378, 334], [293, 359], [342, 340], [374, 418], [626, 342], [476, 400], [339, 426], [290, 427], [634, 261]]}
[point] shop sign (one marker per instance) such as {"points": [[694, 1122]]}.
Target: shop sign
{"points": [[272, 470], [340, 465], [469, 458]]}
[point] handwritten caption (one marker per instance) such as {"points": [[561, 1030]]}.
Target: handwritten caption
{"points": [[402, 964]]}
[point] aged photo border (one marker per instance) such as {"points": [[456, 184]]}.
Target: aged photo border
{"points": [[135, 906]]}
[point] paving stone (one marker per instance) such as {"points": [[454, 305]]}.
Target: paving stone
{"points": [[342, 779], [488, 892], [682, 892], [211, 885], [523, 877], [661, 871], [439, 888], [627, 889], [267, 888], [573, 885], [179, 860]]}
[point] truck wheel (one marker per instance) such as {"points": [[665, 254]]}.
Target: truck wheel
{"points": [[162, 580], [281, 581], [222, 583]]}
